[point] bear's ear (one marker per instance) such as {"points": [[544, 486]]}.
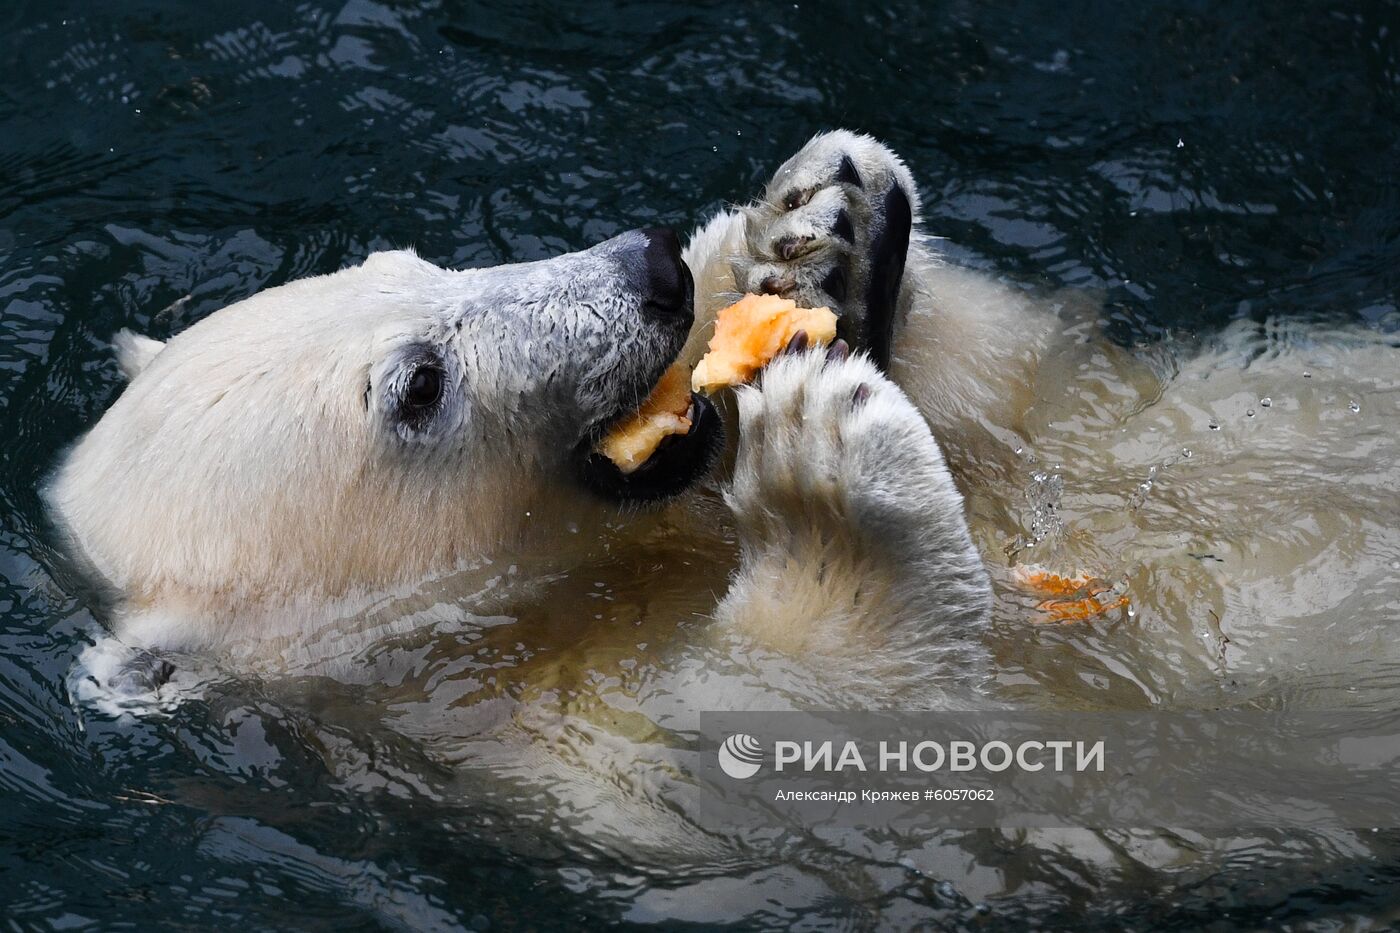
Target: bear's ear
{"points": [[134, 351]]}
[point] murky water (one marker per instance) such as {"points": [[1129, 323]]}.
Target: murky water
{"points": [[1195, 169]]}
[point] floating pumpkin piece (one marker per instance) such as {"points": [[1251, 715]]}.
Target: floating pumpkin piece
{"points": [[1075, 598]]}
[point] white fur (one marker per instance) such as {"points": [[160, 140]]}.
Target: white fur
{"points": [[134, 351], [855, 551], [251, 470]]}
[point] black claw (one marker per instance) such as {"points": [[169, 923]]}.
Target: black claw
{"points": [[795, 199], [835, 284], [843, 227], [889, 249], [788, 247], [797, 344], [838, 351], [847, 174], [861, 395]]}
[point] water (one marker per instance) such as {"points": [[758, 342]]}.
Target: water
{"points": [[1192, 164]]}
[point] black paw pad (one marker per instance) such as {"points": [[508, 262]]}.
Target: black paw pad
{"points": [[846, 174], [843, 227], [835, 284], [888, 251]]}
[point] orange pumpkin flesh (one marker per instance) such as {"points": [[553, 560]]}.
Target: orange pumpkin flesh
{"points": [[749, 333], [1076, 598], [665, 411]]}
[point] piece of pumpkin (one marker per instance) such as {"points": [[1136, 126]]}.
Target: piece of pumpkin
{"points": [[1075, 598], [750, 332], [665, 411]]}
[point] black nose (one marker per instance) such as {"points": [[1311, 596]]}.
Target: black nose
{"points": [[660, 275]]}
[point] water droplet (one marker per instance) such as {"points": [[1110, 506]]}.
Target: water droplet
{"points": [[1306, 374], [1018, 451], [1355, 405], [1181, 144], [1249, 413], [1132, 611], [1265, 402], [1213, 426], [1186, 452]]}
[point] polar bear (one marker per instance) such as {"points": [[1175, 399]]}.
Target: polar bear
{"points": [[296, 456], [365, 473], [288, 461]]}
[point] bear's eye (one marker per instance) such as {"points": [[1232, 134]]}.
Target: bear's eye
{"points": [[424, 388]]}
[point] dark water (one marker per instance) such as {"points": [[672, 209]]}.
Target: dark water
{"points": [[1196, 161]]}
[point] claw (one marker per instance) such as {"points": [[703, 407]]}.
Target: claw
{"points": [[861, 395], [777, 284], [789, 247], [796, 198], [838, 351], [797, 344]]}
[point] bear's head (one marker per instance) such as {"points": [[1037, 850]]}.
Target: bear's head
{"points": [[379, 424]]}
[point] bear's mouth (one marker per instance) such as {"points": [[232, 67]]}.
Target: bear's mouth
{"points": [[678, 462]]}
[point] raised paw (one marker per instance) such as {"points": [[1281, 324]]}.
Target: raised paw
{"points": [[827, 443], [852, 534], [832, 228]]}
